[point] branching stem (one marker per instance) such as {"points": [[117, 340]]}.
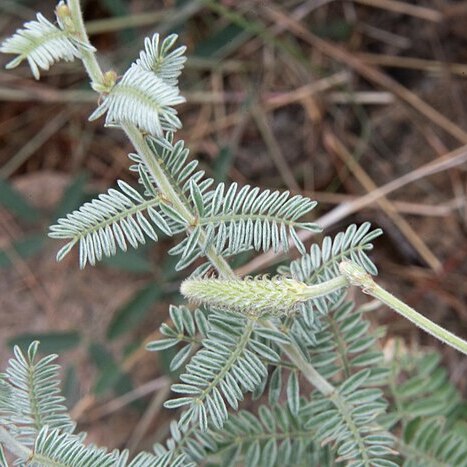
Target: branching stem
{"points": [[168, 191], [308, 370], [350, 273]]}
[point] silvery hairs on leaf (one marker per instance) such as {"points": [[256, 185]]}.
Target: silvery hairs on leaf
{"points": [[157, 57], [41, 43], [111, 221], [32, 399], [142, 99], [148, 90], [249, 217]]}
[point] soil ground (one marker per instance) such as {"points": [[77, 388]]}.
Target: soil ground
{"points": [[328, 98]]}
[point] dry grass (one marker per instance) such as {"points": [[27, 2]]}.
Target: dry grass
{"points": [[359, 104]]}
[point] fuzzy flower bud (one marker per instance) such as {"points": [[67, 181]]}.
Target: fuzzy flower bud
{"points": [[255, 296], [63, 13]]}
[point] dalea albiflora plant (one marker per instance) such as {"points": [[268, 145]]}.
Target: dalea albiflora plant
{"points": [[331, 395]]}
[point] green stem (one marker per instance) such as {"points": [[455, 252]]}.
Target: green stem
{"points": [[325, 288], [157, 172], [357, 276], [308, 370], [88, 58], [172, 196], [421, 321], [13, 445]]}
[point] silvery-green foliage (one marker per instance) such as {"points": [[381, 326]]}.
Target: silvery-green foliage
{"points": [[239, 217], [234, 219], [427, 410], [343, 351], [432, 443], [321, 263], [222, 371], [111, 221], [158, 57], [350, 426], [149, 460], [271, 437], [226, 356], [54, 447], [344, 344], [185, 446], [173, 157], [190, 327], [425, 391], [30, 396], [42, 44], [346, 352], [233, 360], [32, 411], [229, 219], [148, 91], [143, 99], [217, 376], [2, 456]]}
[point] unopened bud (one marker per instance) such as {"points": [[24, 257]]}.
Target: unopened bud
{"points": [[110, 78], [64, 19], [253, 296], [63, 10]]}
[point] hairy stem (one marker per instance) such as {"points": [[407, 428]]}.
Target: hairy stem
{"points": [[97, 77], [172, 196], [308, 370], [88, 58], [357, 276], [325, 288]]}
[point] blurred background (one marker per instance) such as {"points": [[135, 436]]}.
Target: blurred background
{"points": [[358, 104]]}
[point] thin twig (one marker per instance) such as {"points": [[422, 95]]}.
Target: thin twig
{"points": [[446, 162], [150, 414], [415, 209], [274, 149], [368, 72], [333, 144], [406, 8], [414, 63], [33, 144]]}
